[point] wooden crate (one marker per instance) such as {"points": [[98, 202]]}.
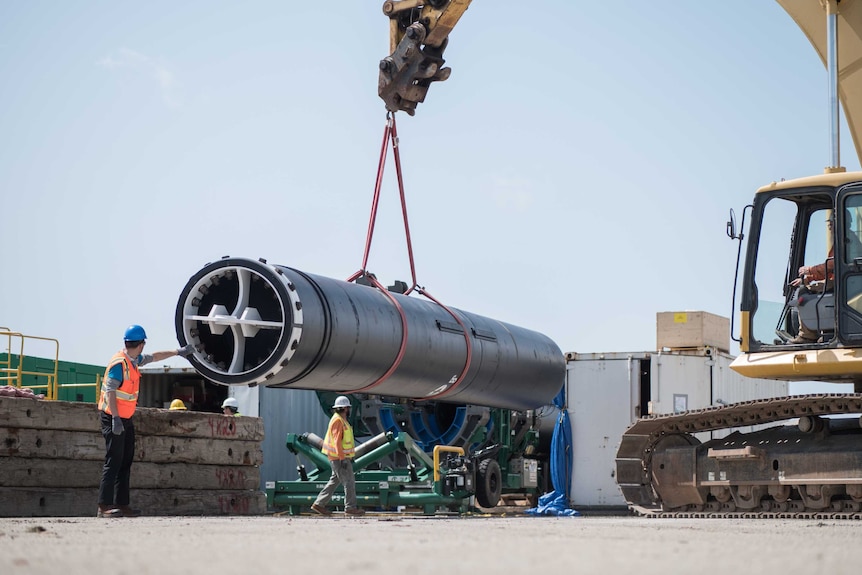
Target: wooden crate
{"points": [[692, 329]]}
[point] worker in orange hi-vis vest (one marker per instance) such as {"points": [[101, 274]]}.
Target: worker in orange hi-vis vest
{"points": [[339, 447], [117, 404]]}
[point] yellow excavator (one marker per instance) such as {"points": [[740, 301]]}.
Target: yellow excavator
{"points": [[800, 304], [800, 309], [800, 320]]}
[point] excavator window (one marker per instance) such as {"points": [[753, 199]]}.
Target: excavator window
{"points": [[852, 228], [817, 228], [794, 232], [771, 267], [850, 251]]}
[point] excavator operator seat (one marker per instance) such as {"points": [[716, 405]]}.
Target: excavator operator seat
{"points": [[816, 311]]}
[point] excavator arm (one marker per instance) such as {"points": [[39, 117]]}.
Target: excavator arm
{"points": [[810, 16], [418, 35]]}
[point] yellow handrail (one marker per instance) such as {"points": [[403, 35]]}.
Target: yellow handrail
{"points": [[8, 361], [437, 450], [16, 373], [97, 385]]}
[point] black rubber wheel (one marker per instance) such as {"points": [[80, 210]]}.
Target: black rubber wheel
{"points": [[489, 484]]}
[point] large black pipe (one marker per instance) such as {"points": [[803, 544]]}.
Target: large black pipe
{"points": [[254, 323]]}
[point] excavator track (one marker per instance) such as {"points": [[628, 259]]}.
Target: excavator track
{"points": [[654, 490]]}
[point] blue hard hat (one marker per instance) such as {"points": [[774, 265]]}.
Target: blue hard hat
{"points": [[135, 333]]}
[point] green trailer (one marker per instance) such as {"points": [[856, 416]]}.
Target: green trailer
{"points": [[472, 458], [429, 483]]}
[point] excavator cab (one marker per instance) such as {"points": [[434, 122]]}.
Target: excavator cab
{"points": [[812, 331], [813, 224]]}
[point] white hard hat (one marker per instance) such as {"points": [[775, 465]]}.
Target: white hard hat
{"points": [[341, 401], [230, 402]]}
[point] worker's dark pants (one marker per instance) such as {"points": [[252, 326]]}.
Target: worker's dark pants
{"points": [[119, 452]]}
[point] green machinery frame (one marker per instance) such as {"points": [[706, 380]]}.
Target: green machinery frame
{"points": [[425, 483]]}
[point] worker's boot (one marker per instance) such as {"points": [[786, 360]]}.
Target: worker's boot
{"points": [[355, 511], [805, 335], [321, 509], [107, 511], [126, 511]]}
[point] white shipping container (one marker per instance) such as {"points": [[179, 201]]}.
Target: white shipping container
{"points": [[607, 392]]}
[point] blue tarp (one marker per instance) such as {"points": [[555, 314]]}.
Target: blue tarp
{"points": [[556, 502]]}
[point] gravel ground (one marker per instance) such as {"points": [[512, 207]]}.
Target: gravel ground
{"points": [[408, 545]]}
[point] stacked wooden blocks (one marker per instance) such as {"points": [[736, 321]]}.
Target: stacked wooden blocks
{"points": [[186, 462]]}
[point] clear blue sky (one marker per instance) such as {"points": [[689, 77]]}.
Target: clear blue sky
{"points": [[573, 175]]}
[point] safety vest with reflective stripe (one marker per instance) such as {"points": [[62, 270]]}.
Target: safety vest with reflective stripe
{"points": [[127, 393], [329, 446]]}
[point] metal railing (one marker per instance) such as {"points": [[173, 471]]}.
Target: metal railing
{"points": [[97, 385], [12, 370]]}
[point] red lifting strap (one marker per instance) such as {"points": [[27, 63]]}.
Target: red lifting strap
{"points": [[390, 134], [450, 388]]}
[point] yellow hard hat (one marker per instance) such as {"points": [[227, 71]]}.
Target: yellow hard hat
{"points": [[178, 404]]}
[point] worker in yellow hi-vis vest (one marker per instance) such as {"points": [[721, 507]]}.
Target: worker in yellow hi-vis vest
{"points": [[339, 447]]}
